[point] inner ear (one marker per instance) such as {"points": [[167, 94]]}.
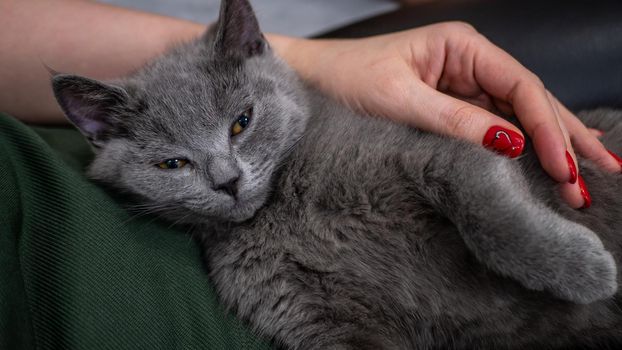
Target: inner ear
{"points": [[237, 31], [92, 106]]}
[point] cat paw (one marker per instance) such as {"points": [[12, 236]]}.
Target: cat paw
{"points": [[586, 272]]}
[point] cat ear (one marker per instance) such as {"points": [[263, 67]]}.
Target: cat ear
{"points": [[89, 104], [237, 31]]}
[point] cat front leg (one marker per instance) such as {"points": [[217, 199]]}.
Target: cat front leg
{"points": [[304, 322], [296, 304], [316, 319], [489, 200]]}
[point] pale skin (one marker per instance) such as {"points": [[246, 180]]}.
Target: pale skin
{"points": [[444, 78]]}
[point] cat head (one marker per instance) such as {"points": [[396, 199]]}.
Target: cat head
{"points": [[199, 131]]}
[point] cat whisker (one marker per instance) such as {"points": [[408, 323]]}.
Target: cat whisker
{"points": [[148, 209], [178, 221], [141, 214]]}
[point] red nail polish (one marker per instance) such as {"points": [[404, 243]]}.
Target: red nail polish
{"points": [[587, 199], [615, 156], [503, 141], [572, 167]]}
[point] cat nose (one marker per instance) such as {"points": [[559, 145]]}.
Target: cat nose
{"points": [[229, 186]]}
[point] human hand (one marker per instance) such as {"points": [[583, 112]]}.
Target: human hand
{"points": [[448, 79]]}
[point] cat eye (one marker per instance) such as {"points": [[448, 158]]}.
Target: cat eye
{"points": [[173, 163], [242, 122]]}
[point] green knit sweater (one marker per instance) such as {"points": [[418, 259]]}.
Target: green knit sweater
{"points": [[77, 271]]}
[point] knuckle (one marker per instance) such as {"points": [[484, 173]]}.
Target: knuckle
{"points": [[389, 87], [536, 81], [453, 27], [458, 121], [463, 26]]}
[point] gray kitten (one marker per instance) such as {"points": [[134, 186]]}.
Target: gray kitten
{"points": [[325, 229]]}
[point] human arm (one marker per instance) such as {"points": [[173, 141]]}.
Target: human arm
{"points": [[75, 36], [444, 78], [449, 79]]}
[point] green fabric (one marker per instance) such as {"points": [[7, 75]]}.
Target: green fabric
{"points": [[77, 271]]}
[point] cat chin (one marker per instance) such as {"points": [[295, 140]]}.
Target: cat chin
{"points": [[229, 210], [243, 212], [241, 218], [233, 215], [244, 208]]}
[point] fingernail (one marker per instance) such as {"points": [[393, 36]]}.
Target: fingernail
{"points": [[615, 156], [587, 199], [572, 167], [503, 141]]}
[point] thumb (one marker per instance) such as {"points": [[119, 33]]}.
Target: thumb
{"points": [[442, 114]]}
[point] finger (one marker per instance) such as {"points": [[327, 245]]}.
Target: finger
{"points": [[571, 157], [572, 194], [443, 114], [483, 100], [562, 126], [504, 78], [504, 107], [595, 132], [586, 143]]}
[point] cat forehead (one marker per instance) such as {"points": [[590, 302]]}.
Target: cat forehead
{"points": [[207, 86], [199, 86], [178, 103], [182, 75], [193, 70], [191, 91]]}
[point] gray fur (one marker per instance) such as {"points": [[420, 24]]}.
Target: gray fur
{"points": [[349, 232]]}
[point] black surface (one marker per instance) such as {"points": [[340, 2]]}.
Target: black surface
{"points": [[574, 46]]}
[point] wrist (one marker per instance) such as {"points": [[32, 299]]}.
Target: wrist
{"points": [[303, 55], [288, 48]]}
